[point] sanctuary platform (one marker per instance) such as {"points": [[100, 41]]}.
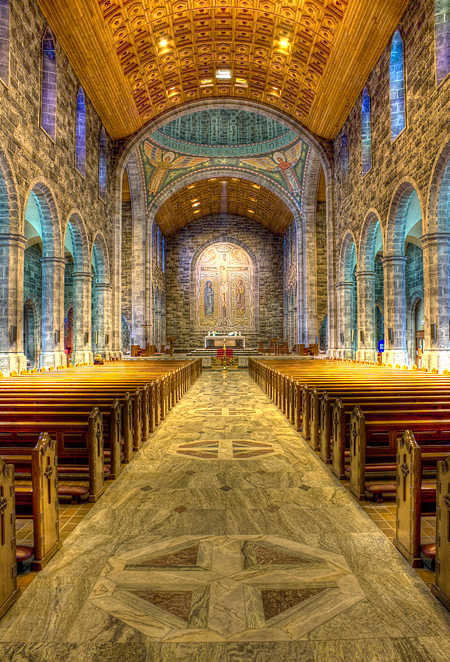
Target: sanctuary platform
{"points": [[226, 539]]}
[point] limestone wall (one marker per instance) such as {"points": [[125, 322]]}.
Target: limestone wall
{"points": [[180, 250]]}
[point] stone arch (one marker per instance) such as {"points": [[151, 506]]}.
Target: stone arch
{"points": [[49, 216], [9, 203], [32, 329], [100, 254], [77, 228], [347, 254], [397, 215], [438, 216], [367, 240], [237, 173]]}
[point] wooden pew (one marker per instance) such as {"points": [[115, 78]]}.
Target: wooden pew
{"points": [[39, 499], [79, 446], [9, 592], [441, 586], [416, 495], [373, 444]]}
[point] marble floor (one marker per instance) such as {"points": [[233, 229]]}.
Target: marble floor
{"points": [[226, 539]]}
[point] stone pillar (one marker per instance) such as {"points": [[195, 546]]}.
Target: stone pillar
{"points": [[395, 351], [53, 312], [12, 248], [82, 348], [104, 299], [436, 263], [344, 305], [367, 347]]}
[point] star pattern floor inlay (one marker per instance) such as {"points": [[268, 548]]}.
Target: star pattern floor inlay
{"points": [[258, 588], [224, 449]]}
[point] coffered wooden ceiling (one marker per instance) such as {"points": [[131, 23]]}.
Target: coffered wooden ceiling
{"points": [[138, 58], [224, 195]]}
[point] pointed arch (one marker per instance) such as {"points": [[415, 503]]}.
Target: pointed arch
{"points": [[397, 85], [77, 229], [80, 137], [9, 203], [367, 242], [100, 257], [398, 213], [442, 38], [348, 257], [49, 217], [48, 84]]}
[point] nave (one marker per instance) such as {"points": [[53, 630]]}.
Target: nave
{"points": [[226, 538]]}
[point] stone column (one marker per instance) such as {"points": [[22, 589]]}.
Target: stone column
{"points": [[52, 312], [367, 348], [82, 345], [104, 297], [436, 263], [344, 304], [12, 248], [395, 310]]}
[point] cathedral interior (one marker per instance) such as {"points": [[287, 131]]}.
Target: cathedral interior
{"points": [[224, 330]]}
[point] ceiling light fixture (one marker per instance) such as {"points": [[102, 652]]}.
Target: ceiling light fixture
{"points": [[196, 204], [250, 211], [163, 43], [223, 74], [284, 43]]}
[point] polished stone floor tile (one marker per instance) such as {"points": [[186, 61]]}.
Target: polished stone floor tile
{"points": [[226, 539]]}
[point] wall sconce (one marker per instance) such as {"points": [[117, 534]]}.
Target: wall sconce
{"points": [[342, 338], [361, 335], [12, 334], [86, 338], [57, 336], [107, 339], [391, 335], [433, 332]]}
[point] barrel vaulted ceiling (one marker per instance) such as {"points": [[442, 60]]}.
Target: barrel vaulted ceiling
{"points": [[220, 195], [139, 58]]}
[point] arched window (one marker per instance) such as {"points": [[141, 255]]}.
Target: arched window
{"points": [[397, 86], [102, 160], [80, 138], [442, 38], [157, 246], [48, 90], [366, 139], [4, 41], [344, 160]]}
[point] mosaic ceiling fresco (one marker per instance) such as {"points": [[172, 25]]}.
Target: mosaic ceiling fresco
{"points": [[270, 150], [139, 58], [224, 195]]}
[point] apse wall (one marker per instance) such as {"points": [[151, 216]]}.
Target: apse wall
{"points": [[181, 250]]}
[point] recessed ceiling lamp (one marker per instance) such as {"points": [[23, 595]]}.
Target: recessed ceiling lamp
{"points": [[255, 186], [194, 200], [196, 211], [250, 211], [163, 43], [191, 186], [253, 199], [196, 204], [206, 82], [241, 82], [223, 74], [284, 43]]}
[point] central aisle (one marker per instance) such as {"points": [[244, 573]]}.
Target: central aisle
{"points": [[226, 539]]}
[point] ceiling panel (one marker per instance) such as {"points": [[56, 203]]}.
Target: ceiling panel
{"points": [[139, 58], [224, 195]]}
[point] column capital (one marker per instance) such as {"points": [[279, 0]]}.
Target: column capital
{"points": [[50, 259], [436, 237], [393, 259], [103, 286], [344, 285], [82, 274], [11, 238], [365, 274]]}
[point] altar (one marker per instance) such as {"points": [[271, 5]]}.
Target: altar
{"points": [[218, 341]]}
